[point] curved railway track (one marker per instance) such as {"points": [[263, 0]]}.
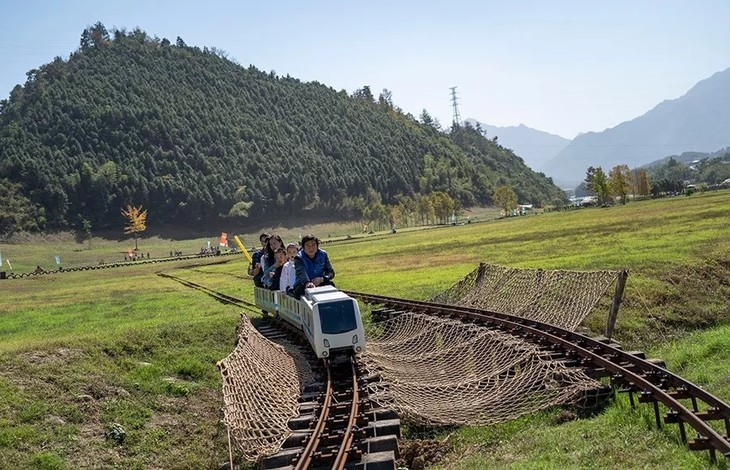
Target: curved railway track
{"points": [[685, 402], [628, 371], [349, 431], [41, 272], [229, 299]]}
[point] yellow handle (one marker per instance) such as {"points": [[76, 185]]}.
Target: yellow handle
{"points": [[243, 248]]}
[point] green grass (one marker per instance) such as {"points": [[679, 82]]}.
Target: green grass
{"points": [[621, 437], [81, 352]]}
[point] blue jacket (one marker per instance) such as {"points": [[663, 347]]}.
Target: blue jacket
{"points": [[307, 269], [319, 266], [256, 258]]}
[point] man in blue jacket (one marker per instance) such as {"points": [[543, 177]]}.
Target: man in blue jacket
{"points": [[312, 266]]}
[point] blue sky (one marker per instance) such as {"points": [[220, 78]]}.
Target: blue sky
{"points": [[560, 66]]}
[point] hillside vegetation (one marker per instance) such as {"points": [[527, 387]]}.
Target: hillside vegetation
{"points": [[193, 136], [710, 169]]}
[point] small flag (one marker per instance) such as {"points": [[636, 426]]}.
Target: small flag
{"points": [[58, 260], [209, 244], [224, 239]]}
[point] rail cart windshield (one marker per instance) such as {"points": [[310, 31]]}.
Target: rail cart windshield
{"points": [[337, 317]]}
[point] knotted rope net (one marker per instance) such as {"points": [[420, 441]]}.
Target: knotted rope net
{"points": [[262, 382], [441, 371], [433, 370], [562, 298]]}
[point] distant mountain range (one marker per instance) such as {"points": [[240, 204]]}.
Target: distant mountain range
{"points": [[534, 146], [698, 121]]}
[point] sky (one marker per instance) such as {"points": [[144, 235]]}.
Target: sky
{"points": [[560, 66]]}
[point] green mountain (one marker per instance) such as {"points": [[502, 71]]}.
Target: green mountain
{"points": [[193, 137], [710, 168]]}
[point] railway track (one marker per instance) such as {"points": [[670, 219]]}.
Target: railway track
{"points": [[646, 382], [685, 402], [338, 426], [229, 299], [5, 275]]}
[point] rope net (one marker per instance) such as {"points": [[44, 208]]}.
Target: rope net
{"points": [[262, 382], [433, 370], [441, 371], [561, 298]]}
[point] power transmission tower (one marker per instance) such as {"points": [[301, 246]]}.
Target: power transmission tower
{"points": [[454, 103]]}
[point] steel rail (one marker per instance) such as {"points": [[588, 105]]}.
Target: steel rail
{"points": [[586, 347], [342, 455], [213, 293], [305, 458]]}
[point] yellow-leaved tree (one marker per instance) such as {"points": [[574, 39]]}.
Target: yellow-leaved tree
{"points": [[137, 219], [505, 198]]}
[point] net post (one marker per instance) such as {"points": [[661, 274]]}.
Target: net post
{"points": [[617, 297], [480, 272]]}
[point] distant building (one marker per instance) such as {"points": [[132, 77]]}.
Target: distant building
{"points": [[583, 201]]}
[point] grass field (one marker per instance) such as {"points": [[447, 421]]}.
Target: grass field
{"points": [[115, 368]]}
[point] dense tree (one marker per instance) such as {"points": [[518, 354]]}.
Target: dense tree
{"points": [[136, 221], [376, 215], [18, 213], [641, 183], [86, 227], [241, 207], [711, 170], [490, 166], [183, 130], [665, 186], [505, 198], [386, 99], [443, 206], [426, 119], [425, 209], [597, 184], [672, 170], [619, 183], [364, 94]]}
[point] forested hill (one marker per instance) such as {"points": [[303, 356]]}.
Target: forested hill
{"points": [[193, 136]]}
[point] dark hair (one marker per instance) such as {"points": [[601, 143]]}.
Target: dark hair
{"points": [[264, 236], [308, 238], [280, 250], [269, 251]]}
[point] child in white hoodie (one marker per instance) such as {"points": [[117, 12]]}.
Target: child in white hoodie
{"points": [[288, 273]]}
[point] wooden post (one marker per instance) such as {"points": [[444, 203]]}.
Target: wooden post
{"points": [[617, 297], [480, 272]]}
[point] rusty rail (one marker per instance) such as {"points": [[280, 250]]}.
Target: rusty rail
{"points": [[655, 384], [323, 432], [229, 299], [343, 453], [305, 460]]}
